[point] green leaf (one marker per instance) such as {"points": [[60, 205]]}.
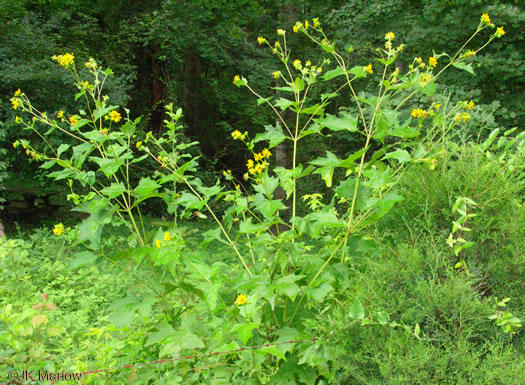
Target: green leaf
{"points": [[343, 122], [271, 350], [382, 317], [274, 134], [417, 331], [333, 73], [245, 331], [128, 128], [287, 286], [356, 310], [465, 67], [63, 147], [299, 84], [247, 227], [108, 166], [113, 190], [318, 294], [283, 104], [48, 164], [145, 187], [358, 72], [103, 111], [402, 156], [83, 258]]}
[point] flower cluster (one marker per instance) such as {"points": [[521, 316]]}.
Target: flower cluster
{"points": [[258, 163], [464, 116], [113, 116], [58, 230], [65, 60], [237, 135]]}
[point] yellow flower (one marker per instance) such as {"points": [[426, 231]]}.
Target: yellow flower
{"points": [[17, 92], [418, 113], [58, 229], [465, 116], [306, 24], [16, 103], [276, 74], [157, 243], [139, 144], [236, 78], [438, 106], [60, 114], [115, 116], [308, 63], [319, 70], [261, 40], [259, 168], [316, 22], [471, 105], [500, 32], [281, 32], [432, 61], [251, 171], [241, 300], [65, 60], [104, 131], [18, 119], [425, 79], [258, 157], [249, 164], [297, 64], [457, 118], [73, 120], [485, 18], [295, 28], [390, 36], [369, 69], [266, 153], [236, 134], [167, 236]]}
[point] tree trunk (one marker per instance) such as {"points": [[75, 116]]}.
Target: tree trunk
{"points": [[157, 88], [192, 74]]}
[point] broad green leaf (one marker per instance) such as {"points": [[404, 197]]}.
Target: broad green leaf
{"points": [[382, 317], [283, 104], [318, 294], [465, 67], [333, 73], [145, 187], [299, 84], [273, 134], [113, 190], [358, 72], [287, 286], [82, 258], [271, 350], [245, 331], [103, 111], [63, 147], [356, 310], [402, 156], [108, 166], [343, 122]]}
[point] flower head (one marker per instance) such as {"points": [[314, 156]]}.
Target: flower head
{"points": [[157, 243], [249, 164], [167, 236], [485, 18], [266, 153], [317, 24], [418, 113], [500, 32], [58, 230], [306, 25], [236, 78], [60, 114], [241, 300], [281, 32], [139, 144], [115, 116], [297, 64], [390, 36], [368, 69], [276, 74], [16, 103], [65, 60], [236, 134], [258, 157], [261, 40], [73, 120], [470, 105], [17, 93], [432, 61]]}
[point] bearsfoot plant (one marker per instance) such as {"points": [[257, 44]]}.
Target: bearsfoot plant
{"points": [[286, 267]]}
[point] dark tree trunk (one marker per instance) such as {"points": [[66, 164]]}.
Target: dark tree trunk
{"points": [[192, 74]]}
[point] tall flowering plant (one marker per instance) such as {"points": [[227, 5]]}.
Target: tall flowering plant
{"points": [[284, 270]]}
